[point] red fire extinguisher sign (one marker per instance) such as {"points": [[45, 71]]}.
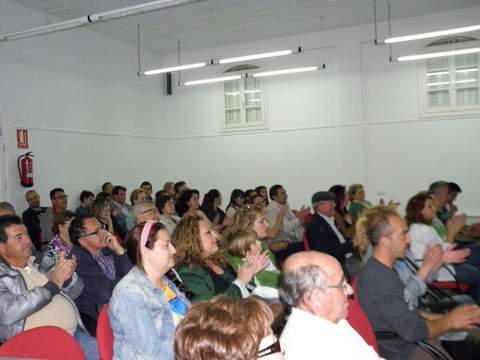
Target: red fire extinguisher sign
{"points": [[22, 139]]}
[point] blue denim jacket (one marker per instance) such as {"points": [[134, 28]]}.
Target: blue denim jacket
{"points": [[141, 319]]}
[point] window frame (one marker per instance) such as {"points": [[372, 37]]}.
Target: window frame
{"points": [[243, 126], [453, 110]]}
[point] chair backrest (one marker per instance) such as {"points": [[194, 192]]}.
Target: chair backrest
{"points": [[45, 342], [104, 335], [306, 221], [359, 320]]}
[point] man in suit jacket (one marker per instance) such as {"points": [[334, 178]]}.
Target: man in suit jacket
{"points": [[322, 233]]}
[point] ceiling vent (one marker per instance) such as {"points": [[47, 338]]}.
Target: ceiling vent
{"points": [[241, 67], [452, 40]]}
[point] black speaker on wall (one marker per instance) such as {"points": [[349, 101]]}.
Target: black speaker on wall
{"points": [[168, 81]]}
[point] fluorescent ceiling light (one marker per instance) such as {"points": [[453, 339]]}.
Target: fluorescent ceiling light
{"points": [[256, 56], [60, 26], [212, 80], [286, 71], [138, 9], [174, 68], [432, 34], [437, 54], [94, 18]]}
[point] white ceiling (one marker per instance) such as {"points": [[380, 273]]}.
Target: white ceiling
{"points": [[213, 23]]}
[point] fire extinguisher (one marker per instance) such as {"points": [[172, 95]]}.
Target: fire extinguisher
{"points": [[25, 169]]}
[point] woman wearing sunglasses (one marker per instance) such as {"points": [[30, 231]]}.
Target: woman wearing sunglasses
{"points": [[146, 306]]}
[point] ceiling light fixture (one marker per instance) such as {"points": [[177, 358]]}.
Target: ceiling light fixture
{"points": [[286, 71], [428, 35], [436, 54], [212, 80], [174, 68], [94, 18], [259, 56]]}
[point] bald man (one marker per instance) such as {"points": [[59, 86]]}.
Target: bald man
{"points": [[313, 285]]}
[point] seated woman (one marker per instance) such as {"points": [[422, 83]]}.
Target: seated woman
{"points": [[137, 196], [101, 209], [146, 306], [356, 195], [203, 268], [227, 329], [263, 191], [244, 244], [166, 207], [188, 203], [420, 212], [237, 199], [211, 208], [61, 242], [343, 219]]}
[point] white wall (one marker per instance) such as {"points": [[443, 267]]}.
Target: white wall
{"points": [[358, 121], [90, 117]]}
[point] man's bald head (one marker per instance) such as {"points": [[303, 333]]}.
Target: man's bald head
{"points": [[314, 282]]}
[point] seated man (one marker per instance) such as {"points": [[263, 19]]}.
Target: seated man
{"points": [[59, 202], [30, 217], [35, 292], [314, 285], [322, 232], [291, 232], [381, 292], [102, 262]]}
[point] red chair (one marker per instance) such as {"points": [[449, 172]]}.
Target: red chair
{"points": [[104, 335], [306, 221], [358, 319], [45, 342]]}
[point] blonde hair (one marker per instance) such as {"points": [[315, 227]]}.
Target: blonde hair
{"points": [[243, 219], [371, 226], [240, 242], [134, 195], [352, 190]]}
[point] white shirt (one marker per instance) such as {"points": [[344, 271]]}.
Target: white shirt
{"points": [[309, 337], [331, 222], [423, 236]]}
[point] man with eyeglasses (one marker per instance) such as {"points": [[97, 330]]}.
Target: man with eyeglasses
{"points": [[59, 202], [381, 294], [313, 285], [101, 263]]}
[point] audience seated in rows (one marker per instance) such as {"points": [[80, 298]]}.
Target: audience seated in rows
{"points": [[203, 268], [381, 293]]}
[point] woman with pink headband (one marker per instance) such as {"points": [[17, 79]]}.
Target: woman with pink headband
{"points": [[146, 306]]}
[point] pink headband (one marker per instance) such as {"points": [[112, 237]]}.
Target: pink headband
{"points": [[145, 232]]}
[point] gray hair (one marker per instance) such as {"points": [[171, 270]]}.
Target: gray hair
{"points": [[437, 185], [139, 208], [294, 286]]}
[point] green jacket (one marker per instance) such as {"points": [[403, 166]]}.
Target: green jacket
{"points": [[200, 283]]}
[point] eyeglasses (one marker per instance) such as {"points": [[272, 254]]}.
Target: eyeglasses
{"points": [[95, 232], [342, 285], [271, 349]]}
